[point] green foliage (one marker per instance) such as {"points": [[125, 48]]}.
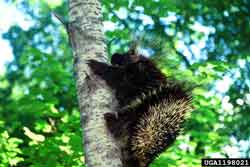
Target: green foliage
{"points": [[10, 153], [38, 98]]}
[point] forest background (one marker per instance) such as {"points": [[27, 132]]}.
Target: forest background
{"points": [[203, 42]]}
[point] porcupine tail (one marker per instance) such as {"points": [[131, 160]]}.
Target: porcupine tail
{"points": [[158, 128]]}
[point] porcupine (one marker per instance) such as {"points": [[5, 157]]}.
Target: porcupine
{"points": [[151, 109]]}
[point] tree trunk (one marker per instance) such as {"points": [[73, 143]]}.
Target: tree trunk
{"points": [[94, 96]]}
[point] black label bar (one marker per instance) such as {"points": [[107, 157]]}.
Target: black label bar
{"points": [[225, 162]]}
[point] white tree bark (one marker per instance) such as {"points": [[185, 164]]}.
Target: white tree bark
{"points": [[94, 96]]}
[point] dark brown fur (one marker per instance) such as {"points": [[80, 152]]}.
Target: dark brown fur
{"points": [[144, 95]]}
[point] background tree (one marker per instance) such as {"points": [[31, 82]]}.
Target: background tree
{"points": [[204, 42]]}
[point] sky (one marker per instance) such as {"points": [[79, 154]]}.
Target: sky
{"points": [[10, 17], [14, 16]]}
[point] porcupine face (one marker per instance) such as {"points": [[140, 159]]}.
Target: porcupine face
{"points": [[118, 59], [124, 59]]}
